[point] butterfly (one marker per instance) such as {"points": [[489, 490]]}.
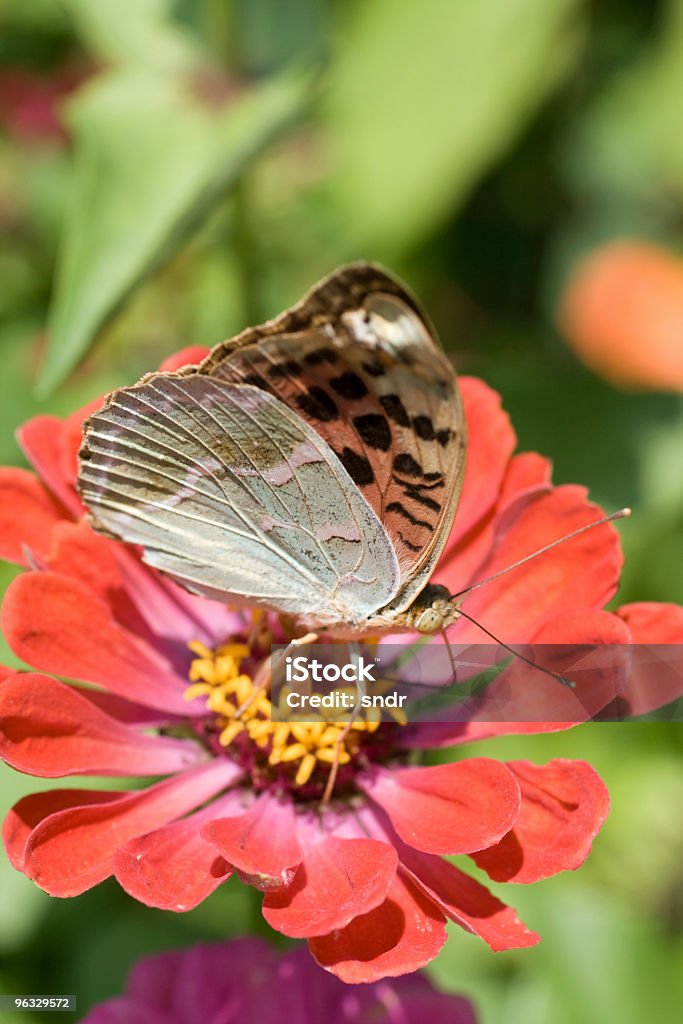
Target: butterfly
{"points": [[310, 466]]}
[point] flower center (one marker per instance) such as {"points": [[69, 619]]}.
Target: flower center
{"points": [[290, 755]]}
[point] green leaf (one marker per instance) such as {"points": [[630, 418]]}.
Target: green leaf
{"points": [[424, 97], [132, 30], [152, 158]]}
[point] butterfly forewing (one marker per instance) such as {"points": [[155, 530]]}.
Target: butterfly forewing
{"points": [[236, 497], [369, 376]]}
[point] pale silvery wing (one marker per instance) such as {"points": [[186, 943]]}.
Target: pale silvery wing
{"points": [[237, 498]]}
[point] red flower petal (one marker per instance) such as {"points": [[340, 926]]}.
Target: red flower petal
{"points": [[188, 356], [466, 902], [72, 850], [78, 552], [43, 441], [262, 841], [172, 868], [338, 879], [452, 808], [84, 642], [401, 935], [32, 809], [651, 622], [656, 677], [50, 729], [564, 805], [583, 572], [428, 735], [527, 476], [72, 439], [27, 515], [491, 442], [589, 647]]}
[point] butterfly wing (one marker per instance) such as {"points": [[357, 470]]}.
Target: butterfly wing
{"points": [[358, 360], [236, 497]]}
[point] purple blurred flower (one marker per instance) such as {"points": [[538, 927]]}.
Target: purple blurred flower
{"points": [[246, 981]]}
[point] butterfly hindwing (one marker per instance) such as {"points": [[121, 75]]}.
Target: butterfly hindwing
{"points": [[236, 497]]}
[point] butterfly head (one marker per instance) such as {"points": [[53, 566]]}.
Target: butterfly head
{"points": [[432, 611]]}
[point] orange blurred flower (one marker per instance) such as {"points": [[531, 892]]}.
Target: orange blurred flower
{"points": [[622, 313]]}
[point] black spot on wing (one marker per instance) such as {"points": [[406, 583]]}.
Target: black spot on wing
{"points": [[395, 409], [444, 436], [416, 495], [288, 368], [396, 506], [257, 380], [406, 465], [409, 544], [349, 385], [424, 428], [374, 431], [374, 369], [317, 404], [357, 466], [321, 355]]}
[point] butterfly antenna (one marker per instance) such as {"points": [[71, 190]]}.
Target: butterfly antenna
{"points": [[623, 513], [569, 683]]}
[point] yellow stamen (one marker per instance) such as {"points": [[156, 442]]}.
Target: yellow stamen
{"points": [[243, 707]]}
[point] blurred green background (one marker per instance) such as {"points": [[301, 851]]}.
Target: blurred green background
{"points": [[172, 171]]}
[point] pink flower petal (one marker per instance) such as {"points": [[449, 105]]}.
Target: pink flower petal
{"points": [[72, 850], [564, 805], [338, 879], [401, 935], [262, 841], [126, 1010], [50, 729], [452, 808]]}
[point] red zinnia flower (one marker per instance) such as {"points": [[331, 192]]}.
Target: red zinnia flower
{"points": [[247, 981], [363, 880]]}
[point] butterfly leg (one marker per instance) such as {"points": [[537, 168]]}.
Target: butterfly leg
{"points": [[265, 674], [450, 655], [334, 769], [341, 738]]}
